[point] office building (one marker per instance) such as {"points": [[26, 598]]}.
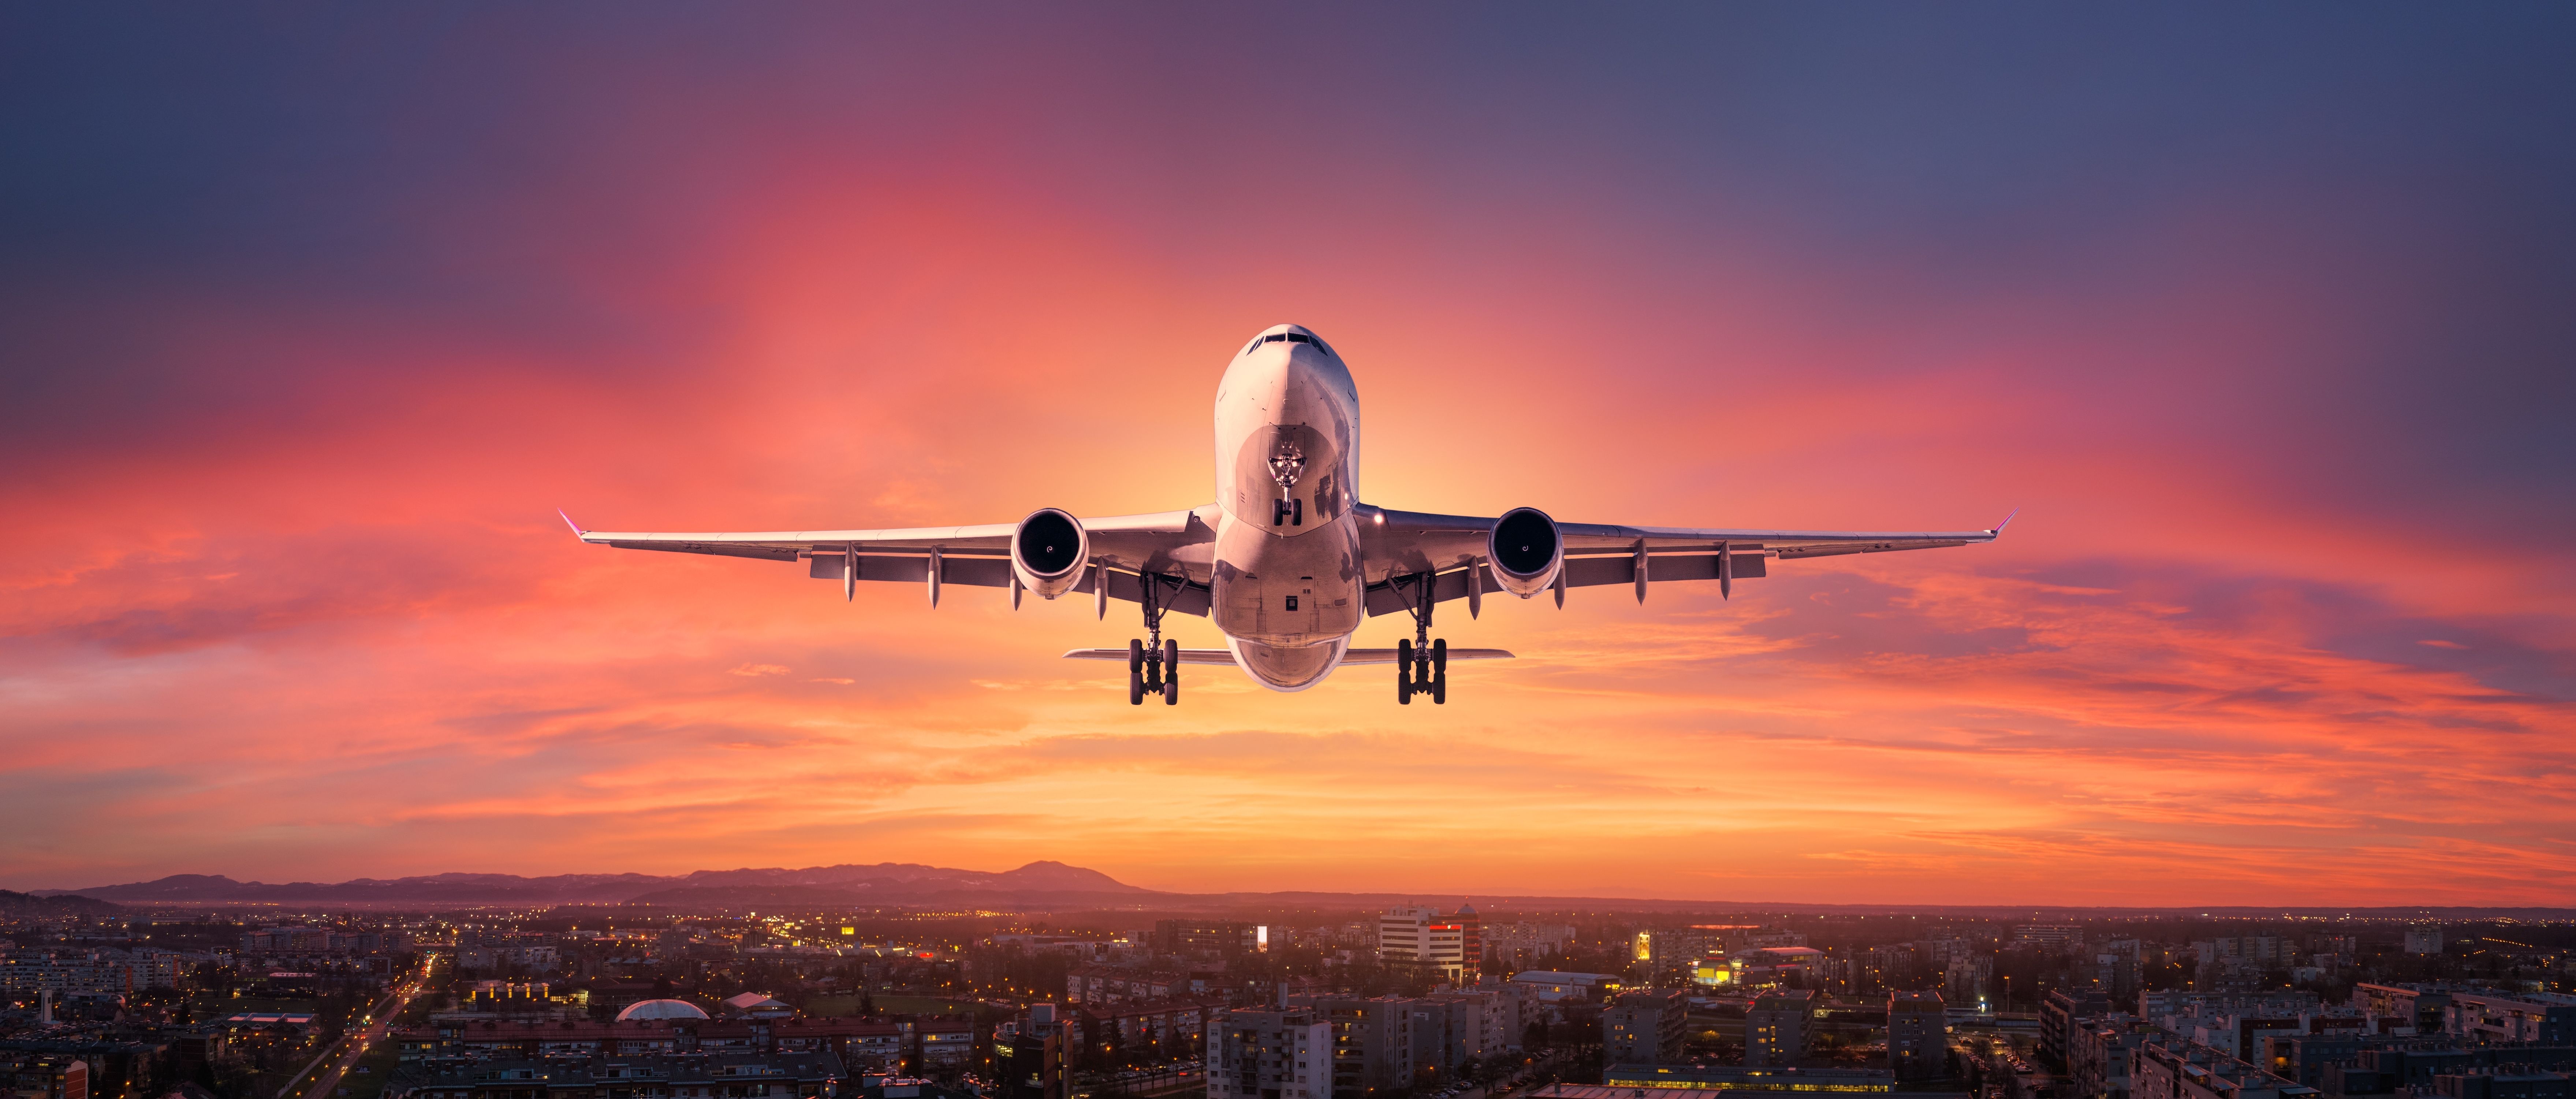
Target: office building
{"points": [[1644, 1028], [1451, 947], [1284, 1054], [1918, 1035]]}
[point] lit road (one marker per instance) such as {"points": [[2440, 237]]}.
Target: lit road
{"points": [[336, 1062]]}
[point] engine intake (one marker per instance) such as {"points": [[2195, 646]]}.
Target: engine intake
{"points": [[1048, 552], [1526, 551]]}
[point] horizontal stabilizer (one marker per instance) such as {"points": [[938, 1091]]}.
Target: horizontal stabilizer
{"points": [[1387, 656], [1188, 656]]}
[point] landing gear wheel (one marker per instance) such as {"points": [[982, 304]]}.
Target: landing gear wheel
{"points": [[1404, 672], [1171, 673], [1135, 672], [1439, 671]]}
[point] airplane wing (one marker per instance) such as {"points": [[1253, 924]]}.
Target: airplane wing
{"points": [[1172, 548], [1411, 551], [1223, 656]]}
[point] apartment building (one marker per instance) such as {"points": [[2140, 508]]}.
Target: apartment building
{"points": [[1283, 1054]]}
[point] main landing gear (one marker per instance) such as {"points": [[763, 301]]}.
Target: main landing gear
{"points": [[1153, 664], [1422, 664], [1153, 670]]}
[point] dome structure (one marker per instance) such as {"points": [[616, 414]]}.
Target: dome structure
{"points": [[661, 1009]]}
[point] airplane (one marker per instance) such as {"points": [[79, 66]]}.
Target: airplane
{"points": [[1287, 561]]}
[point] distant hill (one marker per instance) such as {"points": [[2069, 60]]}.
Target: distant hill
{"points": [[886, 882], [25, 906]]}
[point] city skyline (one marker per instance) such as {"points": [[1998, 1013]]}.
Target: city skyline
{"points": [[2258, 317]]}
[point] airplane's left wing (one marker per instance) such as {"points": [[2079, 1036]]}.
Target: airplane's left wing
{"points": [[1127, 552], [1413, 551]]}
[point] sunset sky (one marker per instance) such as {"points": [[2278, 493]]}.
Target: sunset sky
{"points": [[2264, 317]]}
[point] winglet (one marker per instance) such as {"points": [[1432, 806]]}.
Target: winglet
{"points": [[1999, 527], [576, 527]]}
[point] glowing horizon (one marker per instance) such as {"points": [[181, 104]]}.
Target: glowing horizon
{"points": [[318, 323]]}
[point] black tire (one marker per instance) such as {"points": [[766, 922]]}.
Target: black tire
{"points": [[1135, 687], [1440, 686], [1171, 660], [1135, 655], [1404, 672], [1172, 691], [1439, 655]]}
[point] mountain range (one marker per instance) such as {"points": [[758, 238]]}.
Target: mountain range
{"points": [[51, 905], [885, 882]]}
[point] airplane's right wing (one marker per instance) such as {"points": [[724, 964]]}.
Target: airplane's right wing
{"points": [[1411, 551]]}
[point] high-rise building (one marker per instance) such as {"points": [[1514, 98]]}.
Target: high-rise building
{"points": [[1971, 978], [1450, 946], [1775, 1028], [1285, 1054], [1918, 1035], [1404, 933], [1033, 1063], [1372, 1042], [1884, 967], [1644, 1028], [2060, 1013]]}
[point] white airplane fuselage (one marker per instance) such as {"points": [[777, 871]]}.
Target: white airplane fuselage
{"points": [[1287, 581]]}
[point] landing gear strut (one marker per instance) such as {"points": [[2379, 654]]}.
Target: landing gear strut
{"points": [[1153, 664], [1422, 664]]}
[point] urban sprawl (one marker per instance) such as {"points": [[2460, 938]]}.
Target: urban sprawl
{"points": [[1408, 1002]]}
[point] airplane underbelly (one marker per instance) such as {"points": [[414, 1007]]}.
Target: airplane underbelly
{"points": [[1287, 592]]}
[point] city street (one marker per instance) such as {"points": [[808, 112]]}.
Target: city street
{"points": [[335, 1062]]}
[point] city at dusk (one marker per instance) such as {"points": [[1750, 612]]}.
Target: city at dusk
{"points": [[2006, 551]]}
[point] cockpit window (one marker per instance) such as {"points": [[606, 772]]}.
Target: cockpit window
{"points": [[1287, 337]]}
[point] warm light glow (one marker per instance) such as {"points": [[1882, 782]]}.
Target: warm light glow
{"points": [[292, 395]]}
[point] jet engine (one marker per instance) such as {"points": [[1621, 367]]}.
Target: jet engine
{"points": [[1048, 552], [1526, 551]]}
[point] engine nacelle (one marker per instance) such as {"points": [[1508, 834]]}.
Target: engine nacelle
{"points": [[1048, 552], [1526, 551]]}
